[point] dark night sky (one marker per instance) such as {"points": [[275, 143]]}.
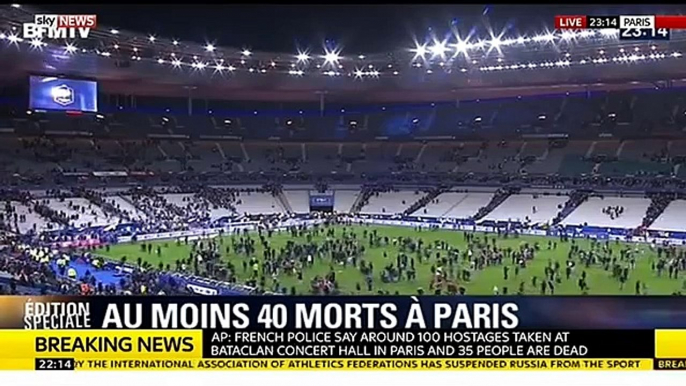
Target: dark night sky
{"points": [[358, 28]]}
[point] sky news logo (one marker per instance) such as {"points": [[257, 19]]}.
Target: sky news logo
{"points": [[60, 27]]}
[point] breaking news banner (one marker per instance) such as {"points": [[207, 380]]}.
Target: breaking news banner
{"points": [[342, 333]]}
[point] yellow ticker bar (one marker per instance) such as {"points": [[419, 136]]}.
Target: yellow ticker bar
{"points": [[166, 364], [670, 344], [561, 364]]}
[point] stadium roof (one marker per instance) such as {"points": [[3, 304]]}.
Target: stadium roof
{"points": [[455, 67]]}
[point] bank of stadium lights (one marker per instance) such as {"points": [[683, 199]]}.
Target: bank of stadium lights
{"points": [[114, 31], [220, 68], [419, 51], [331, 57], [548, 37], [37, 43], [568, 35], [70, 48], [152, 39], [562, 63], [461, 47], [424, 50], [302, 57], [496, 42], [14, 39], [175, 42], [246, 52], [209, 48], [438, 49]]}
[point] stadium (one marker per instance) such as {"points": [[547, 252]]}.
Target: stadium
{"points": [[531, 163]]}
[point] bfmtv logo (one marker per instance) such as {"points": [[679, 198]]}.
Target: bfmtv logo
{"points": [[62, 95], [60, 26]]}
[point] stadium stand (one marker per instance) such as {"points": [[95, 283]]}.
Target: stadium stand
{"points": [[23, 219], [550, 161], [390, 202], [527, 209], [344, 199], [672, 218], [299, 200], [257, 203], [593, 212], [81, 212], [126, 206], [468, 206], [440, 205]]}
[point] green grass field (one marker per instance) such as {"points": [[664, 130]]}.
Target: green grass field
{"points": [[481, 283]]}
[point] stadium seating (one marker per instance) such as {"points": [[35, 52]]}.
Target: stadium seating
{"points": [[468, 206], [344, 198], [194, 205], [80, 212], [299, 200], [527, 209], [485, 142], [495, 158], [646, 157], [322, 144], [258, 203], [128, 207], [672, 219], [439, 206], [591, 212], [390, 202], [33, 222]]}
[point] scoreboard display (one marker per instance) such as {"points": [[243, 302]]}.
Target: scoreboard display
{"points": [[630, 27], [322, 202]]}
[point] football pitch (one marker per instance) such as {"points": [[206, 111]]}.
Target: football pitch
{"points": [[481, 281]]}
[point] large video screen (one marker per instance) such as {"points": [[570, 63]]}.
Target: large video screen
{"points": [[50, 93], [321, 201]]}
